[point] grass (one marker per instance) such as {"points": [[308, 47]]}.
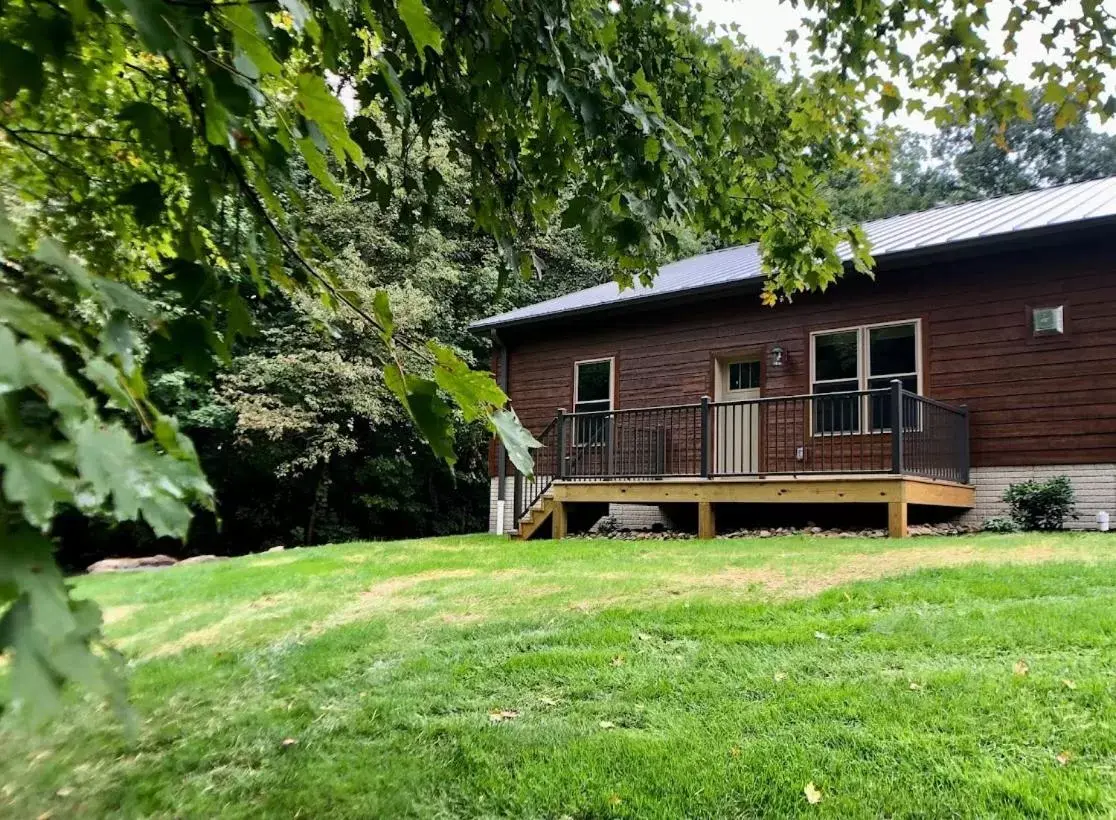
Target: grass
{"points": [[475, 677]]}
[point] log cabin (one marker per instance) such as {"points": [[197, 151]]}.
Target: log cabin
{"points": [[980, 353]]}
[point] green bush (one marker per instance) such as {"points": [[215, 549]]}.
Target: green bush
{"points": [[1041, 505], [999, 523]]}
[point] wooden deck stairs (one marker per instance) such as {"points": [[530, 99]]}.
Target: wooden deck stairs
{"points": [[540, 514]]}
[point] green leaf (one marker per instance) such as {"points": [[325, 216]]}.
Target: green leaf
{"points": [[245, 28], [381, 310], [316, 102], [426, 408], [475, 392], [109, 381], [319, 167], [32, 482], [146, 201], [420, 25], [151, 21], [517, 440], [43, 368], [19, 69], [136, 480]]}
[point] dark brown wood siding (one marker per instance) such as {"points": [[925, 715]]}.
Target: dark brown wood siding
{"points": [[1046, 400]]}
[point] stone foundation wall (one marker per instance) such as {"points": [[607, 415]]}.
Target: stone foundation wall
{"points": [[1094, 484]]}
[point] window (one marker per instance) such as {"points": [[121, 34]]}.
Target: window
{"points": [[858, 359], [592, 394], [743, 375]]}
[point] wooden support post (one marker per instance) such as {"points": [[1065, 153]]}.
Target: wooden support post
{"points": [[558, 519], [897, 519], [707, 520]]}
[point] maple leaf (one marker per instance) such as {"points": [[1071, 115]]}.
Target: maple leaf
{"points": [[813, 794]]}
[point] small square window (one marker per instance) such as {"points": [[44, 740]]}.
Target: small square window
{"points": [[743, 375]]}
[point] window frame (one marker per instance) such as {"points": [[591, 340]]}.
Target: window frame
{"points": [[611, 397], [864, 370]]}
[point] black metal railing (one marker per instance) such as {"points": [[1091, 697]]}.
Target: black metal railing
{"points": [[529, 489], [888, 430]]}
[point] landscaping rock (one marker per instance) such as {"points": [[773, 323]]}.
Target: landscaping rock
{"points": [[131, 564], [201, 559]]}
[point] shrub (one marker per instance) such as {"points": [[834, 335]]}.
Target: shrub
{"points": [[1041, 505], [999, 523]]}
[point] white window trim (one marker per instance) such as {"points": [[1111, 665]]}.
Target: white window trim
{"points": [[611, 380], [863, 365], [611, 393]]}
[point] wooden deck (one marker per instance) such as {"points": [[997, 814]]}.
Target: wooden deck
{"points": [[897, 491]]}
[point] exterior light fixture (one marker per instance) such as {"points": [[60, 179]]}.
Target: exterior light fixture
{"points": [[778, 356]]}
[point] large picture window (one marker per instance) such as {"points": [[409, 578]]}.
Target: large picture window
{"points": [[860, 359], [593, 381]]}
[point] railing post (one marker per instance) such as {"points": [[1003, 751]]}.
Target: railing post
{"points": [[560, 424], [705, 436], [896, 426], [964, 463]]}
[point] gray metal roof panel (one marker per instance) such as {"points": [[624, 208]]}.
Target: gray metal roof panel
{"points": [[939, 227]]}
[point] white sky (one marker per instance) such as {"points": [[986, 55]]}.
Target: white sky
{"points": [[765, 24]]}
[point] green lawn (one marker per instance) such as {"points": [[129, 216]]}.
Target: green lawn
{"points": [[476, 677]]}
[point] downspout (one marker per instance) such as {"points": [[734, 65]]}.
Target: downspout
{"points": [[501, 456]]}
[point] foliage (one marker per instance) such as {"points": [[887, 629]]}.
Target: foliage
{"points": [[1041, 505], [384, 661], [999, 523], [1027, 153], [954, 59]]}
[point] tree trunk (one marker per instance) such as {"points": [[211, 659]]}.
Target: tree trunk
{"points": [[322, 482]]}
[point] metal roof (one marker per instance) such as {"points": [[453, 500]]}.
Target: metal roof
{"points": [[938, 228]]}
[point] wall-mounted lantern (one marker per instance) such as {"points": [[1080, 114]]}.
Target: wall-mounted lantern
{"points": [[778, 356]]}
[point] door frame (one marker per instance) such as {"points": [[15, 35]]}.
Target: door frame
{"points": [[720, 365]]}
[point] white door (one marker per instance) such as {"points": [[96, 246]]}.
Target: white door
{"points": [[735, 420]]}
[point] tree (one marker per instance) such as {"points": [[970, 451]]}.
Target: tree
{"points": [[899, 179], [151, 188], [1028, 153]]}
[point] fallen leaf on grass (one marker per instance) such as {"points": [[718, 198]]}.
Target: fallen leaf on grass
{"points": [[618, 660], [643, 636], [735, 751], [65, 791], [813, 794], [1021, 668], [615, 799], [1069, 684], [915, 686], [821, 636], [545, 701], [501, 715], [288, 742], [780, 676], [607, 724], [1064, 758]]}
